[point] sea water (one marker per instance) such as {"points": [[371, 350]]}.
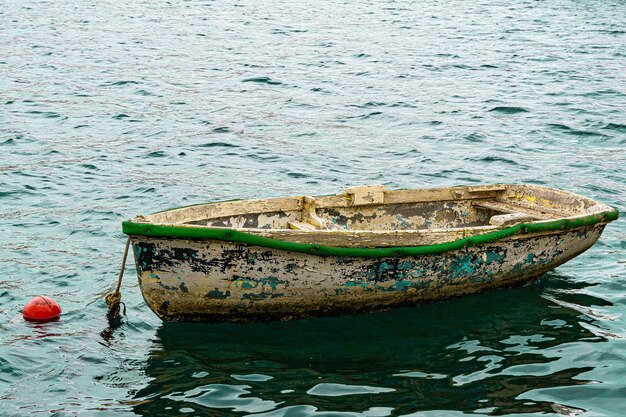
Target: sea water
{"points": [[111, 109]]}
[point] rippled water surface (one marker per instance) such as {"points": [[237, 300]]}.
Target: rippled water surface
{"points": [[111, 109]]}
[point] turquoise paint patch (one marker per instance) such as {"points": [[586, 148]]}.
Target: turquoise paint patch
{"points": [[402, 285], [494, 257], [362, 284], [271, 281], [529, 260], [247, 283], [405, 265], [466, 267]]}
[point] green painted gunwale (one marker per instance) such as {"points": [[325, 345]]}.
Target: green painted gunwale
{"points": [[230, 235]]}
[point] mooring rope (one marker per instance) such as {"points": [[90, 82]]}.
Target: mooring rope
{"points": [[114, 299]]}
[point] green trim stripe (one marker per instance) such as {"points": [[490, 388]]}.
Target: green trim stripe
{"points": [[229, 235]]}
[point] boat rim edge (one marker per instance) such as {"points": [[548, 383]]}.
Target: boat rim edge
{"points": [[231, 235]]}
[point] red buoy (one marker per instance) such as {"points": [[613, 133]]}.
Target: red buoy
{"points": [[41, 309]]}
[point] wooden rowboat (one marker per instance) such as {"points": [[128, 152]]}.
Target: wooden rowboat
{"points": [[366, 249]]}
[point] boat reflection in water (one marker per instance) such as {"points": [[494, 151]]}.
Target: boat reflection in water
{"points": [[510, 351]]}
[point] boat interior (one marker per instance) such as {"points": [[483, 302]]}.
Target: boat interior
{"points": [[375, 208]]}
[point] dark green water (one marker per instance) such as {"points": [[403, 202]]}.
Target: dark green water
{"points": [[111, 109]]}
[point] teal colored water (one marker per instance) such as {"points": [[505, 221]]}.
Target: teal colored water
{"points": [[112, 109]]}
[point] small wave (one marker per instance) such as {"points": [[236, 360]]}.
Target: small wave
{"points": [[364, 116], [368, 105], [144, 190], [118, 83], [608, 92], [296, 175], [144, 93], [491, 159], [571, 131], [235, 397], [613, 32], [221, 129], [412, 151], [47, 114], [262, 80], [508, 109], [312, 411], [417, 374], [404, 105], [463, 66], [287, 32], [338, 390], [269, 158], [252, 377], [616, 126], [475, 137], [218, 145]]}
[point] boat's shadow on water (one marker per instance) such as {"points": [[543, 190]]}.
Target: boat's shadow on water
{"points": [[473, 353]]}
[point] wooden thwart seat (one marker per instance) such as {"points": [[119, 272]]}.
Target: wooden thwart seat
{"points": [[510, 219], [513, 213]]}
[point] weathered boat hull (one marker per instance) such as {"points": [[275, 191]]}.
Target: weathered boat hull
{"points": [[214, 280]]}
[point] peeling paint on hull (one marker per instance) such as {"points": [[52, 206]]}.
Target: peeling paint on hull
{"points": [[210, 280]]}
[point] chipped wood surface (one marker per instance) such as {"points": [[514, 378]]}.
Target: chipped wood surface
{"points": [[405, 218], [187, 279]]}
